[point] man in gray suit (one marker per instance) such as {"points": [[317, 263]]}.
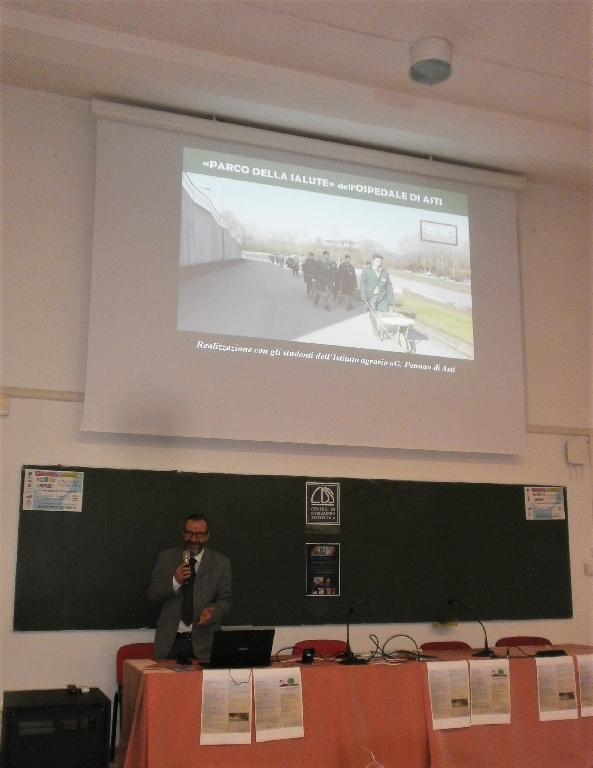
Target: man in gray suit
{"points": [[193, 603]]}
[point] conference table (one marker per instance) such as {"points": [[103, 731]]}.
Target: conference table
{"points": [[352, 715]]}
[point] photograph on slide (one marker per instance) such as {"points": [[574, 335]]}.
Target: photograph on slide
{"points": [[274, 251]]}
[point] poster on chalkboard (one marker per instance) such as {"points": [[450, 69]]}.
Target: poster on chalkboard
{"points": [[51, 490], [544, 502], [323, 570]]}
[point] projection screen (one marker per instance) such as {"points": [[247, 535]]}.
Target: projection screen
{"points": [[248, 285]]}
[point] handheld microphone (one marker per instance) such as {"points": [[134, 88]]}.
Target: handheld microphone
{"points": [[487, 652], [349, 657], [186, 557]]}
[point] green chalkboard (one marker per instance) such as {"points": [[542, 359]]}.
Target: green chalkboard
{"points": [[406, 547]]}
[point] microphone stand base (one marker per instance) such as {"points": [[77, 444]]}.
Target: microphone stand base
{"points": [[485, 653], [351, 659]]}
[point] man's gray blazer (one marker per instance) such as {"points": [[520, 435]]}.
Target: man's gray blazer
{"points": [[211, 587]]}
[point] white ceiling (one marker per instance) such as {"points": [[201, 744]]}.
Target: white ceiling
{"points": [[519, 98]]}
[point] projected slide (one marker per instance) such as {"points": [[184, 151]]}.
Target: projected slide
{"points": [[274, 251]]}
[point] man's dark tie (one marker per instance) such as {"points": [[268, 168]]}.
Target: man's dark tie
{"points": [[187, 600]]}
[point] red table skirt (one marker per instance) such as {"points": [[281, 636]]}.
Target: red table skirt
{"points": [[349, 713]]}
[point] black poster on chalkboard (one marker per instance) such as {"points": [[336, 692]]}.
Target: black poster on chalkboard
{"points": [[405, 548]]}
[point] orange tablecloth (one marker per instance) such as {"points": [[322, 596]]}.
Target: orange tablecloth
{"points": [[526, 742], [348, 710]]}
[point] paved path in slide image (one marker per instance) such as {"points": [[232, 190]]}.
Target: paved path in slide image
{"points": [[258, 299], [438, 292]]}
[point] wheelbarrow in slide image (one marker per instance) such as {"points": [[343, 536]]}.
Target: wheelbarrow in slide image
{"points": [[392, 326]]}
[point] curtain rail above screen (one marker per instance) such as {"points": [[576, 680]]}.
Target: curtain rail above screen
{"points": [[292, 141]]}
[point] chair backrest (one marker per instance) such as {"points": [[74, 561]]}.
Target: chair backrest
{"points": [[323, 647], [132, 651], [445, 645], [506, 642]]}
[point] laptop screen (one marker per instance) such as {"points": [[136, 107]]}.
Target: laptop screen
{"points": [[236, 648]]}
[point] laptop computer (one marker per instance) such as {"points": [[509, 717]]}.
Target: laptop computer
{"points": [[241, 648]]}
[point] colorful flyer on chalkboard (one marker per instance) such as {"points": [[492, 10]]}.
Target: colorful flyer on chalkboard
{"points": [[323, 503], [51, 490], [323, 570], [544, 502]]}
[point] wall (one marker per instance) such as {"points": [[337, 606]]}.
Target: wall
{"points": [[203, 238], [555, 266], [1, 358], [48, 177]]}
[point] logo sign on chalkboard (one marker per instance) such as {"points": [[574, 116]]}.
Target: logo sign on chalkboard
{"points": [[323, 503]]}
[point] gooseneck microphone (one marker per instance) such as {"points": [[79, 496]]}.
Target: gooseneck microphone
{"points": [[349, 657], [487, 652]]}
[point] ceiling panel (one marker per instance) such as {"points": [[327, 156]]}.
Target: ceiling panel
{"points": [[516, 61]]}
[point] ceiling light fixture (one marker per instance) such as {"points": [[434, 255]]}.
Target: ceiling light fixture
{"points": [[430, 60]]}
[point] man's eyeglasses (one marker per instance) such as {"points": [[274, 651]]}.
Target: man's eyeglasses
{"points": [[199, 535]]}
